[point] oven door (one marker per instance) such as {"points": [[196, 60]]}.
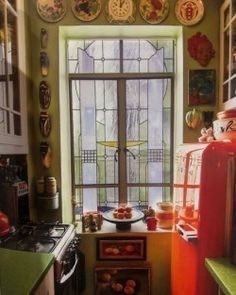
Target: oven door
{"points": [[70, 274]]}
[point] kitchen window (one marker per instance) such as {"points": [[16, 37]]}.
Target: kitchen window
{"points": [[121, 102]]}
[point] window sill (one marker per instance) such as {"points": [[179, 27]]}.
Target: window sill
{"points": [[110, 228]]}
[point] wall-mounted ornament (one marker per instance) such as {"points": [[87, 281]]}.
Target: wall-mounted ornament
{"points": [[44, 95], [86, 10], [46, 154], [201, 49], [193, 118], [202, 87], [45, 124], [44, 38], [154, 11], [120, 11], [189, 12], [44, 63], [51, 10]]}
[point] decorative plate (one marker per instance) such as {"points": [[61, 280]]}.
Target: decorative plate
{"points": [[189, 12], [51, 10], [154, 11], [86, 10]]}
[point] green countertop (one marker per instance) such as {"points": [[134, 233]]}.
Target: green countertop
{"points": [[21, 272], [224, 274]]}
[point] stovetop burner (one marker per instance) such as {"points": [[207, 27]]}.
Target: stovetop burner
{"points": [[33, 245], [43, 230], [42, 237]]}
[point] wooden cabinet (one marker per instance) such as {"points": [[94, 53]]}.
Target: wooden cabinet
{"points": [[228, 55], [13, 131], [47, 285]]}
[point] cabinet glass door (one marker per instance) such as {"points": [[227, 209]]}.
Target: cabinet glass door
{"points": [[228, 54], [10, 109]]}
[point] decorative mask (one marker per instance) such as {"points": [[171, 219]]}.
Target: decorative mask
{"points": [[201, 49]]}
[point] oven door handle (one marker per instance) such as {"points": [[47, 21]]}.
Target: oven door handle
{"points": [[70, 273]]}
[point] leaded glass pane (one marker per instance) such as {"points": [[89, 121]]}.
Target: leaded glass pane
{"points": [[94, 113], [116, 56]]}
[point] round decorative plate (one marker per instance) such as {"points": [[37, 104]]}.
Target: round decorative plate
{"points": [[154, 11], [86, 10], [189, 12], [51, 10], [123, 223]]}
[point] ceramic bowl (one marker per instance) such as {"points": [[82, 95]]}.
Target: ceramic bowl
{"points": [[225, 129]]}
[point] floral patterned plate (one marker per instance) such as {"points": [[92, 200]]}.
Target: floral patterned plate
{"points": [[86, 10], [51, 10], [189, 12], [154, 11]]}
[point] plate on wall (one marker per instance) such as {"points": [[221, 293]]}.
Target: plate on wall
{"points": [[154, 11], [51, 10], [189, 12], [86, 10]]}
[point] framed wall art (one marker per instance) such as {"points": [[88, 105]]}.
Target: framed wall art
{"points": [[122, 280], [121, 248], [202, 87]]}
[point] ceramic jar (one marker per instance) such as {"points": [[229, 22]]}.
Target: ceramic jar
{"points": [[51, 186], [165, 215]]}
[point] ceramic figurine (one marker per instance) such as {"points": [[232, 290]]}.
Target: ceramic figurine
{"points": [[44, 38], [45, 124], [44, 95], [46, 154], [206, 135], [201, 49], [44, 63]]}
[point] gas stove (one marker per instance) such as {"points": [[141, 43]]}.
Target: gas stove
{"points": [[59, 239], [40, 238]]}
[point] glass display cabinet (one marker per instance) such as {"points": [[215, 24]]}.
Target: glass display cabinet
{"points": [[12, 79], [228, 55]]}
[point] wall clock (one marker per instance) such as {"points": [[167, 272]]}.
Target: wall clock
{"points": [[120, 11]]}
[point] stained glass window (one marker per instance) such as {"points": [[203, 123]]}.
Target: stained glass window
{"points": [[122, 121]]}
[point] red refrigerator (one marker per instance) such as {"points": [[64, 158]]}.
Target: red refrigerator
{"points": [[203, 194]]}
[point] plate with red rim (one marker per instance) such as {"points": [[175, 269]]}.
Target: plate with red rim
{"points": [[154, 11], [189, 12]]}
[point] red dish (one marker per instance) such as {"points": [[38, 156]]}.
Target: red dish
{"points": [[231, 113]]}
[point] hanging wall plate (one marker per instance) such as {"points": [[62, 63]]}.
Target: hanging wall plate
{"points": [[44, 95], [45, 124], [51, 10], [189, 12], [120, 11], [86, 10], [154, 11]]}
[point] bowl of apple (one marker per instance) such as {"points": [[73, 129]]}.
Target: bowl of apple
{"points": [[123, 216]]}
